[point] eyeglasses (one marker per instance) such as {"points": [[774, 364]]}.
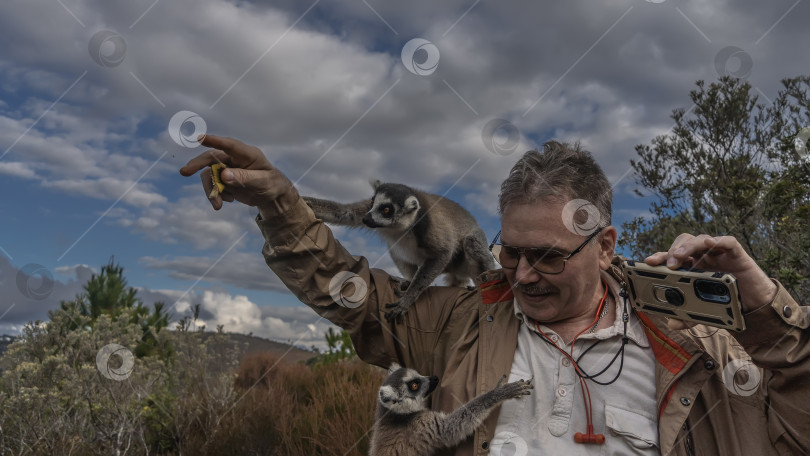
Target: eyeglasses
{"points": [[546, 261]]}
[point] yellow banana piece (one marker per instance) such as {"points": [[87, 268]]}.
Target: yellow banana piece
{"points": [[216, 174]]}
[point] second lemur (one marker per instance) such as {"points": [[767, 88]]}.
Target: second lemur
{"points": [[427, 235], [405, 427]]}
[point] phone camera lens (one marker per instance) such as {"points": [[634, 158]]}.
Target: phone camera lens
{"points": [[712, 291], [674, 296]]}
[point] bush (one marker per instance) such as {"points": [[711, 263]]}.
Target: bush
{"points": [[54, 399]]}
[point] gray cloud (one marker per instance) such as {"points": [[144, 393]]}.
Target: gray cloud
{"points": [[30, 291], [81, 272], [248, 270], [191, 219], [298, 325], [244, 270]]}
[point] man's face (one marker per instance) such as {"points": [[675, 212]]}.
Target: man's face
{"points": [[551, 298]]}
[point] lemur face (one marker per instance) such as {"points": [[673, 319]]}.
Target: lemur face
{"points": [[392, 207], [405, 390]]}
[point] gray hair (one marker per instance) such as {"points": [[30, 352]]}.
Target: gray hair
{"points": [[563, 170]]}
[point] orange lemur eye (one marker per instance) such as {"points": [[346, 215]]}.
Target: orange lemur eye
{"points": [[386, 210], [414, 386]]}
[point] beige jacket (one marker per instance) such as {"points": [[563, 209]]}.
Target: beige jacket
{"points": [[468, 339]]}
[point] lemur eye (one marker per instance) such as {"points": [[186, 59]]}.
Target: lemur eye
{"points": [[387, 210], [414, 386]]}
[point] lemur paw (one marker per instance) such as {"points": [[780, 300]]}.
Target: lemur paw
{"points": [[396, 312], [403, 287], [518, 388]]}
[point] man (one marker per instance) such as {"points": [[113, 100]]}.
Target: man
{"points": [[608, 380]]}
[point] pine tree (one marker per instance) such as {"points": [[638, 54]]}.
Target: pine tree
{"points": [[107, 293]]}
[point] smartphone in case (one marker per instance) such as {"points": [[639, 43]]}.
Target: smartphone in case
{"points": [[703, 297]]}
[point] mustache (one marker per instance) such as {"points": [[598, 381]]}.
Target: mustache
{"points": [[533, 288]]}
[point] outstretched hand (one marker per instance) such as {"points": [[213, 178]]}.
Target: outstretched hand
{"points": [[249, 177], [723, 254]]}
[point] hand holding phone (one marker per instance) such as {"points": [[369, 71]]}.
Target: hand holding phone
{"points": [[720, 253]]}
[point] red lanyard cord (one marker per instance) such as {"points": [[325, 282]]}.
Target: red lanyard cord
{"points": [[589, 436], [625, 318]]}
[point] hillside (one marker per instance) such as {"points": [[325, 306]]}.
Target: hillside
{"points": [[288, 353]]}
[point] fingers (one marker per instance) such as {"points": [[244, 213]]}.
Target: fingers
{"points": [[249, 179], [243, 154], [690, 251], [656, 258], [669, 257], [678, 325], [220, 142], [226, 196], [229, 151], [205, 159]]}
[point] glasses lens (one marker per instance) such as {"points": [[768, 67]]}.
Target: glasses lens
{"points": [[543, 260], [548, 261], [507, 256]]}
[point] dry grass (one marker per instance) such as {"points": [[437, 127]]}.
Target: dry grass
{"points": [[292, 409]]}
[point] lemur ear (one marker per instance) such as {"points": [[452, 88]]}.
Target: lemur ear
{"points": [[375, 184], [394, 367], [411, 204]]}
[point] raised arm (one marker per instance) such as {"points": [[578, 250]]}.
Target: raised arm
{"points": [[777, 336], [304, 254]]}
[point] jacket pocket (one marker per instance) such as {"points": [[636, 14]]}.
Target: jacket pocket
{"points": [[633, 427]]}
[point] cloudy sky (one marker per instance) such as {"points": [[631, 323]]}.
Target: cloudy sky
{"points": [[335, 94]]}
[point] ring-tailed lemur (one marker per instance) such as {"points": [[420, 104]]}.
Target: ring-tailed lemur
{"points": [[427, 235], [404, 426]]}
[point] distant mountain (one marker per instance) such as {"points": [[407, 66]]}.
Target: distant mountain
{"points": [[255, 344]]}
